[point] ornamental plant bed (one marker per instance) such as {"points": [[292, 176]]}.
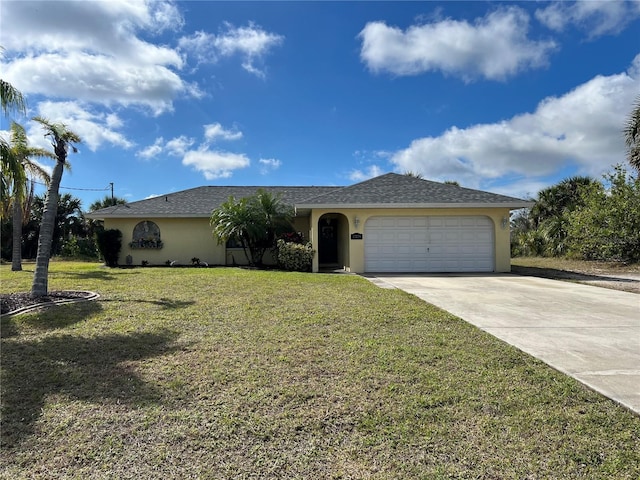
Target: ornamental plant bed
{"points": [[235, 373]]}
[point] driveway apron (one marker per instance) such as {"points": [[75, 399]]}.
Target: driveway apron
{"points": [[590, 333]]}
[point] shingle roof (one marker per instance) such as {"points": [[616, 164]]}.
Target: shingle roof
{"points": [[200, 201], [393, 189], [389, 190]]}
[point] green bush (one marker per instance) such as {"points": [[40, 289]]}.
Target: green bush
{"points": [[109, 244], [608, 226], [295, 256], [83, 248]]}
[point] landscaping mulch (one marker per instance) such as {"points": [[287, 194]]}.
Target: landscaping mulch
{"points": [[10, 302]]}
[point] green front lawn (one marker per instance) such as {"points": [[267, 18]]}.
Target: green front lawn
{"points": [[232, 373]]}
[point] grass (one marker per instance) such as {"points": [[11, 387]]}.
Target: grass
{"points": [[575, 265], [231, 373]]}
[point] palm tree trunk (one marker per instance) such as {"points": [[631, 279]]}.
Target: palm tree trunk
{"points": [[16, 253], [40, 284]]}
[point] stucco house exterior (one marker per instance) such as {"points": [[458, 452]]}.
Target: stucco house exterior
{"points": [[390, 223]]}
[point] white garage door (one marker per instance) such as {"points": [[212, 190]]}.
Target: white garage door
{"points": [[429, 244]]}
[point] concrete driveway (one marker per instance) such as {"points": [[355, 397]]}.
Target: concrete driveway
{"points": [[590, 333]]}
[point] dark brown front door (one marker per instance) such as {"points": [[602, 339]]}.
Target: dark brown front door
{"points": [[328, 241]]}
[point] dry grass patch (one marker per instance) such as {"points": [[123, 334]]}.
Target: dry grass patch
{"points": [[230, 373]]}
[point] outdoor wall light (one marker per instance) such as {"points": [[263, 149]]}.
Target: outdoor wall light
{"points": [[356, 221], [504, 222]]}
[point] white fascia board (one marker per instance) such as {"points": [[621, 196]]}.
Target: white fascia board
{"points": [[509, 205], [149, 215]]}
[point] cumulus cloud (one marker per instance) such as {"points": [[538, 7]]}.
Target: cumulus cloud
{"points": [[369, 172], [151, 151], [251, 43], [495, 47], [176, 147], [581, 127], [268, 165], [215, 164], [596, 18], [94, 128], [93, 51], [215, 131]]}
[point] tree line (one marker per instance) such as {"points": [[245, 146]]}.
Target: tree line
{"points": [[584, 218]]}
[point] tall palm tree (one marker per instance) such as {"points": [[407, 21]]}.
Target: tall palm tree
{"points": [[21, 154], [632, 136], [62, 139], [11, 100]]}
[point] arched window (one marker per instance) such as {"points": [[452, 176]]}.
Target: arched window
{"points": [[146, 235]]}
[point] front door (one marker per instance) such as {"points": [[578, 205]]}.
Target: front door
{"points": [[328, 241]]}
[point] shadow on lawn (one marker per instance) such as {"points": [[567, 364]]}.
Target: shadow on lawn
{"points": [[164, 303], [86, 369], [51, 317]]}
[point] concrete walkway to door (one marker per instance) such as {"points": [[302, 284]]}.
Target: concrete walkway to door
{"points": [[590, 333]]}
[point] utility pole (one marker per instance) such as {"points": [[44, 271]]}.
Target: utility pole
{"points": [[113, 201]]}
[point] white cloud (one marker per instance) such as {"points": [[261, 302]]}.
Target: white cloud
{"points": [[595, 17], [494, 47], [92, 51], [268, 165], [178, 146], [175, 147], [215, 131], [252, 43], [215, 164], [582, 127], [151, 151], [94, 128], [369, 172]]}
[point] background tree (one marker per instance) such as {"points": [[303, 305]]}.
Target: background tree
{"points": [[107, 201], [22, 154], [607, 226], [543, 230], [632, 136], [254, 222], [62, 139]]}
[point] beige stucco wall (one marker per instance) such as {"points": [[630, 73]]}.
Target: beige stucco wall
{"points": [[354, 260], [183, 239]]}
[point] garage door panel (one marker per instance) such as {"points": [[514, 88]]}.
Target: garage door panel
{"points": [[429, 244]]}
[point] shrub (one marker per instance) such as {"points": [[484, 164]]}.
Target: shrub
{"points": [[295, 256], [79, 248], [109, 244]]}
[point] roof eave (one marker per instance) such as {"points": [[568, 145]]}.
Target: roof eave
{"points": [[509, 205], [148, 215]]}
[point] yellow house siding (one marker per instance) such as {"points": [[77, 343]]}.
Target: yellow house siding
{"points": [[355, 248], [182, 238]]}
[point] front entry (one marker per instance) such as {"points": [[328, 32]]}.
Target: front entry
{"points": [[328, 241]]}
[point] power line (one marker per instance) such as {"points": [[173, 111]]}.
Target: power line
{"points": [[108, 187]]}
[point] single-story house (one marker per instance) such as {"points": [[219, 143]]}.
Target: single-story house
{"points": [[390, 223]]}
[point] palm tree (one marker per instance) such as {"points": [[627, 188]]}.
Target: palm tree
{"points": [[254, 222], [21, 155], [61, 139], [632, 136], [11, 100]]}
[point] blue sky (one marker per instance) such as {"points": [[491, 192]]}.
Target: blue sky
{"points": [[508, 97]]}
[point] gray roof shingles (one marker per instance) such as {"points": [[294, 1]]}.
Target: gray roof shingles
{"points": [[200, 201], [393, 188], [389, 189]]}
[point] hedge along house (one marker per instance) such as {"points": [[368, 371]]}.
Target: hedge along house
{"points": [[390, 223]]}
